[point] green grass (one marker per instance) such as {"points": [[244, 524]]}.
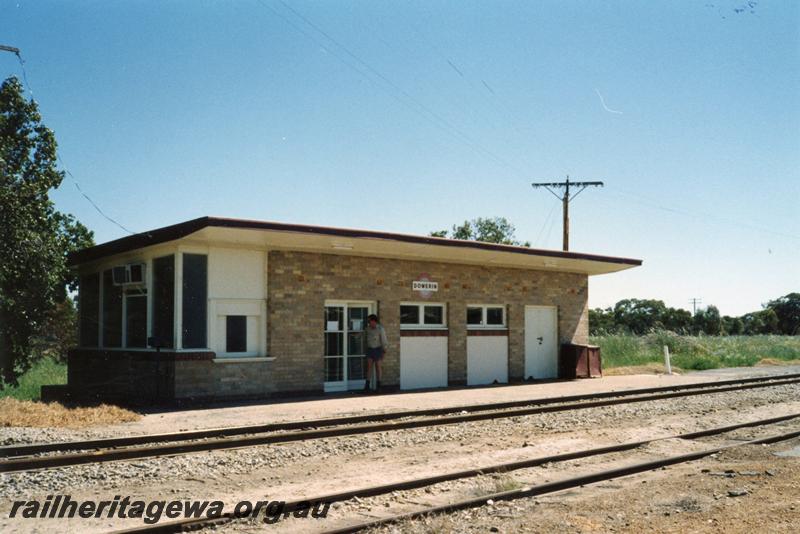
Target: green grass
{"points": [[45, 371], [617, 350], [695, 352]]}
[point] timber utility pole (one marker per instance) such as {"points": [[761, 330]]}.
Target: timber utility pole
{"points": [[566, 198]]}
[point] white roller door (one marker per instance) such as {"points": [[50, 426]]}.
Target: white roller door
{"points": [[487, 360], [423, 362]]}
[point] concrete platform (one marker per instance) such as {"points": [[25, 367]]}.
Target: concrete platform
{"points": [[360, 404]]}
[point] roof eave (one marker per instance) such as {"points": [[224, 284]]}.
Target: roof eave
{"points": [[184, 229]]}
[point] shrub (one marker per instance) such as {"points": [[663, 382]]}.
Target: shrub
{"points": [[695, 352]]}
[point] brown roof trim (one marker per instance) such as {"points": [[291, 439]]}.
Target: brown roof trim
{"points": [[177, 231]]}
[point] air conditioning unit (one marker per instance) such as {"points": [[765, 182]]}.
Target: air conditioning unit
{"points": [[130, 274]]}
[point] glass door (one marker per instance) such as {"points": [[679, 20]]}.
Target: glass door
{"points": [[356, 346], [345, 345]]}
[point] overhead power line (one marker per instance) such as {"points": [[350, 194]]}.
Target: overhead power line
{"points": [[656, 204], [397, 92], [14, 50], [87, 197], [486, 92], [17, 52], [546, 220]]}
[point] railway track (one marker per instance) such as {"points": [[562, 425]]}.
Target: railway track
{"points": [[558, 485], [188, 525], [24, 457]]}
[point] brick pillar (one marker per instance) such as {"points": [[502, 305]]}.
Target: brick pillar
{"points": [[389, 314], [457, 343], [516, 341]]}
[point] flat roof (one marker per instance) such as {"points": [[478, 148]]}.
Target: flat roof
{"points": [[370, 243]]}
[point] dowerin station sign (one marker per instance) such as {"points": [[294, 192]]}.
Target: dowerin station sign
{"points": [[424, 285]]}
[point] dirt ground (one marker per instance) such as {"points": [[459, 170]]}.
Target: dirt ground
{"points": [[605, 507], [743, 490], [261, 412], [701, 496], [302, 470]]}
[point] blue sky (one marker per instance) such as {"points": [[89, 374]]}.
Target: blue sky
{"points": [[413, 116]]}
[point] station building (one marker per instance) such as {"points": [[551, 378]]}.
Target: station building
{"points": [[217, 308]]}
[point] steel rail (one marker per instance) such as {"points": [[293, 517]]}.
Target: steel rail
{"points": [[30, 463], [194, 524], [37, 448], [559, 485]]}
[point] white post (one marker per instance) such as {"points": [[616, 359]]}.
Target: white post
{"points": [[666, 360]]}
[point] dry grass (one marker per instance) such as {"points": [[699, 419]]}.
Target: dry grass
{"points": [[15, 412], [774, 361], [646, 369], [496, 483]]}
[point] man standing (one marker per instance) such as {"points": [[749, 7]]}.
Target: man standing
{"points": [[376, 349]]}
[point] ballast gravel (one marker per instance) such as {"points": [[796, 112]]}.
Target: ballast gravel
{"points": [[502, 433]]}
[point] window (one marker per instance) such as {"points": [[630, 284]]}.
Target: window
{"points": [[164, 301], [409, 315], [495, 316], [136, 273], [112, 311], [474, 316], [89, 309], [434, 315], [422, 315], [136, 319], [237, 328], [124, 313], [236, 333], [479, 316], [195, 300]]}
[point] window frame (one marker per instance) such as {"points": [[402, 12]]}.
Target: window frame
{"points": [[201, 293], [112, 306], [156, 289], [254, 311], [172, 274], [136, 294], [421, 325], [484, 312]]}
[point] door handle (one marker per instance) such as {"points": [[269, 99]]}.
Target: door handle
{"points": [[540, 340]]}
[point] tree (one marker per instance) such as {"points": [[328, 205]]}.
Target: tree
{"points": [[677, 320], [732, 326], [489, 230], [639, 316], [601, 321], [59, 331], [760, 322], [787, 309], [34, 237], [708, 321]]}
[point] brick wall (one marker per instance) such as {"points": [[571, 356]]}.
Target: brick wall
{"points": [[206, 379], [299, 283], [130, 376]]}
